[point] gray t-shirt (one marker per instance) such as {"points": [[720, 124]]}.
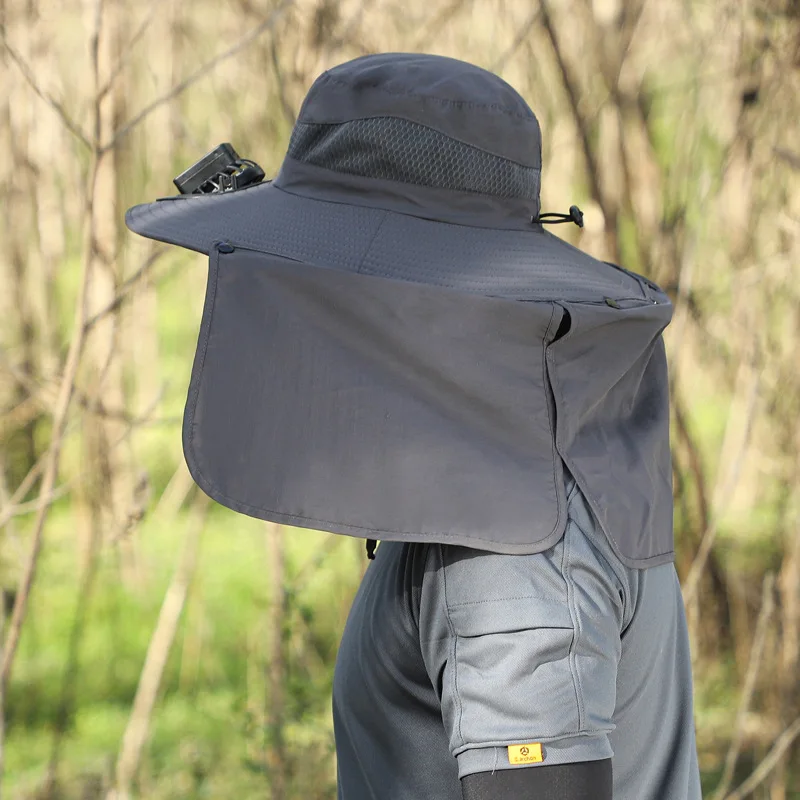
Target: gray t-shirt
{"points": [[455, 661]]}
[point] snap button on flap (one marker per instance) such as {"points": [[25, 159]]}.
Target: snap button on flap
{"points": [[225, 247]]}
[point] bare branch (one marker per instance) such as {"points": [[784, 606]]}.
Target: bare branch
{"points": [[582, 125], [124, 56], [709, 535], [2, 693], [37, 402], [19, 416], [313, 565], [181, 87], [126, 287], [158, 651], [275, 744], [65, 392], [756, 652], [175, 493], [571, 88], [49, 476], [433, 28], [24, 487], [65, 118], [762, 771], [344, 37], [276, 65], [15, 507], [522, 34], [26, 508], [792, 159]]}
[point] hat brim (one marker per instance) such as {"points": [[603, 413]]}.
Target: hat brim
{"points": [[517, 264]]}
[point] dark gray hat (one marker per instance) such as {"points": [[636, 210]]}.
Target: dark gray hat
{"points": [[391, 348]]}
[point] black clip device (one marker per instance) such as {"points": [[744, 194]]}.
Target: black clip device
{"points": [[221, 170]]}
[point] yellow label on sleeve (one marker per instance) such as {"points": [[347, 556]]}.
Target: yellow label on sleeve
{"points": [[530, 753]]}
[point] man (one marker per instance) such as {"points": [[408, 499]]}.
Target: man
{"points": [[393, 348]]}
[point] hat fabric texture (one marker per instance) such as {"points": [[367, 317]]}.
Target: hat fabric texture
{"points": [[390, 348]]}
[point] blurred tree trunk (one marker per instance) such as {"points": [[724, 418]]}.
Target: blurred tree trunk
{"points": [[600, 190], [109, 463], [276, 665], [66, 700], [20, 178], [48, 145], [156, 142], [8, 389], [138, 727], [789, 657]]}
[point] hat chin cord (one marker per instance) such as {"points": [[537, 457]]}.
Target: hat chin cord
{"points": [[575, 215]]}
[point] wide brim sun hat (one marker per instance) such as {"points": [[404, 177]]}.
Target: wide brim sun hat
{"points": [[392, 345]]}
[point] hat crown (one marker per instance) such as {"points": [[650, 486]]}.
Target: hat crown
{"points": [[421, 120], [449, 81]]}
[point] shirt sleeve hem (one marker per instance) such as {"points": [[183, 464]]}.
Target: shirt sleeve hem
{"points": [[488, 758]]}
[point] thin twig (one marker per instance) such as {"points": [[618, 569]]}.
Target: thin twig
{"points": [[321, 555], [50, 472], [181, 87], [582, 126], [37, 390], [66, 388], [175, 493], [24, 487], [762, 771], [65, 118], [792, 159], [2, 692], [20, 509], [125, 53], [628, 34], [571, 88], [66, 701], [756, 652], [158, 650], [275, 711], [723, 496], [434, 28], [522, 34], [288, 112], [126, 287], [14, 508], [335, 43], [16, 418], [695, 460], [682, 315]]}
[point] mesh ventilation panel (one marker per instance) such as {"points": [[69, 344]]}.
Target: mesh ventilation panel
{"points": [[399, 150]]}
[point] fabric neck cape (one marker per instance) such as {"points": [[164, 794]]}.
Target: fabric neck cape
{"points": [[390, 348]]}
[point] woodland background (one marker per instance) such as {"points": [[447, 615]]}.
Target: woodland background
{"points": [[156, 645]]}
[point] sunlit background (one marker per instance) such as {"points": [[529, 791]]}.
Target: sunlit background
{"points": [[159, 646]]}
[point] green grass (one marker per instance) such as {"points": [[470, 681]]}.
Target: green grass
{"points": [[202, 728]]}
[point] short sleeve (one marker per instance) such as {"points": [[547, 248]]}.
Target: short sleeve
{"points": [[522, 649]]}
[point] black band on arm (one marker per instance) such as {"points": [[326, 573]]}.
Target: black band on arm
{"points": [[585, 780]]}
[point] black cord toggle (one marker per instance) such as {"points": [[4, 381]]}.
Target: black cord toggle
{"points": [[371, 544], [575, 215]]}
